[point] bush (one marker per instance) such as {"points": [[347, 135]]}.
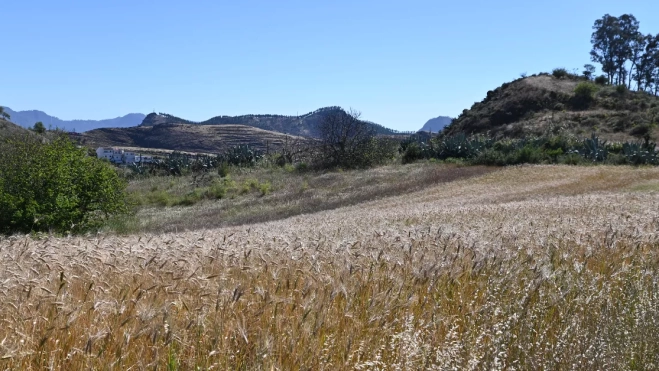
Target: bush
{"points": [[621, 89], [265, 188], [348, 142], [584, 94], [559, 73], [601, 80], [55, 187], [413, 152]]}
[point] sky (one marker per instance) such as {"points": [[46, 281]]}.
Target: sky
{"points": [[399, 63]]}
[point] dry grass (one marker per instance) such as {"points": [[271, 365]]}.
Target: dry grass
{"points": [[526, 268], [551, 83], [291, 193]]}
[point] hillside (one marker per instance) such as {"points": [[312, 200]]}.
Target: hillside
{"points": [[186, 137], [304, 125], [542, 103], [9, 129], [27, 119], [437, 124]]}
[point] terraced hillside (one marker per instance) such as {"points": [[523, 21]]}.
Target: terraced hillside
{"points": [[187, 137], [302, 125], [544, 267]]}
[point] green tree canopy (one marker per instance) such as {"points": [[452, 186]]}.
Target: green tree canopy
{"points": [[55, 187], [39, 127]]}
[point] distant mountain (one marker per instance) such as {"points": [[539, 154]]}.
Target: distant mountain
{"points": [[27, 119], [304, 125], [437, 124]]}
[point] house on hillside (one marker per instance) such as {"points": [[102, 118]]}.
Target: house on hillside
{"points": [[119, 156], [114, 155]]}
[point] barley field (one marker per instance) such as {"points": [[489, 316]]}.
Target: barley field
{"points": [[533, 267]]}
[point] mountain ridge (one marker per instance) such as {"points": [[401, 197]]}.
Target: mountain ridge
{"points": [[301, 125], [28, 118]]}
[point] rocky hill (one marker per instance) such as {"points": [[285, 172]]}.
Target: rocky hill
{"points": [[27, 119], [543, 103], [187, 137], [436, 125], [303, 125]]}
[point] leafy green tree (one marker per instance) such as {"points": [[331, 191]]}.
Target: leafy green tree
{"points": [[55, 187], [589, 71], [39, 127], [638, 45], [628, 34], [604, 41]]}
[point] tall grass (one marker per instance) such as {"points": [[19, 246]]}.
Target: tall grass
{"points": [[562, 276]]}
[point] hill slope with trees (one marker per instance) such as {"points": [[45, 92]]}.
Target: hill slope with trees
{"points": [[566, 103], [621, 104]]}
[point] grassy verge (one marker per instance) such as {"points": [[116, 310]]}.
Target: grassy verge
{"points": [[167, 204]]}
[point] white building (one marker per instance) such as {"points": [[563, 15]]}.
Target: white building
{"points": [[114, 155], [119, 156], [131, 157]]}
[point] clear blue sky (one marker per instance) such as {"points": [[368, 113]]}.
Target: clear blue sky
{"points": [[398, 62]]}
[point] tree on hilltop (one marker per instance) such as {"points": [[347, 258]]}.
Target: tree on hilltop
{"points": [[39, 128], [4, 115]]}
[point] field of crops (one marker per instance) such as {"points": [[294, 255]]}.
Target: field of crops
{"points": [[534, 267]]}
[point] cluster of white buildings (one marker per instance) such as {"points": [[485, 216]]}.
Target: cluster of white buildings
{"points": [[119, 156]]}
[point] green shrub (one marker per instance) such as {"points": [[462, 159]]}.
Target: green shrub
{"points": [[584, 94], [601, 80], [160, 198], [621, 89], [265, 188], [412, 153], [571, 159], [223, 169], [217, 190], [528, 155], [55, 187], [559, 73]]}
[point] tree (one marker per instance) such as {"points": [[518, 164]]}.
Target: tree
{"points": [[638, 44], [627, 34], [589, 71], [39, 128], [4, 115], [613, 40], [346, 141], [604, 40], [56, 187]]}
